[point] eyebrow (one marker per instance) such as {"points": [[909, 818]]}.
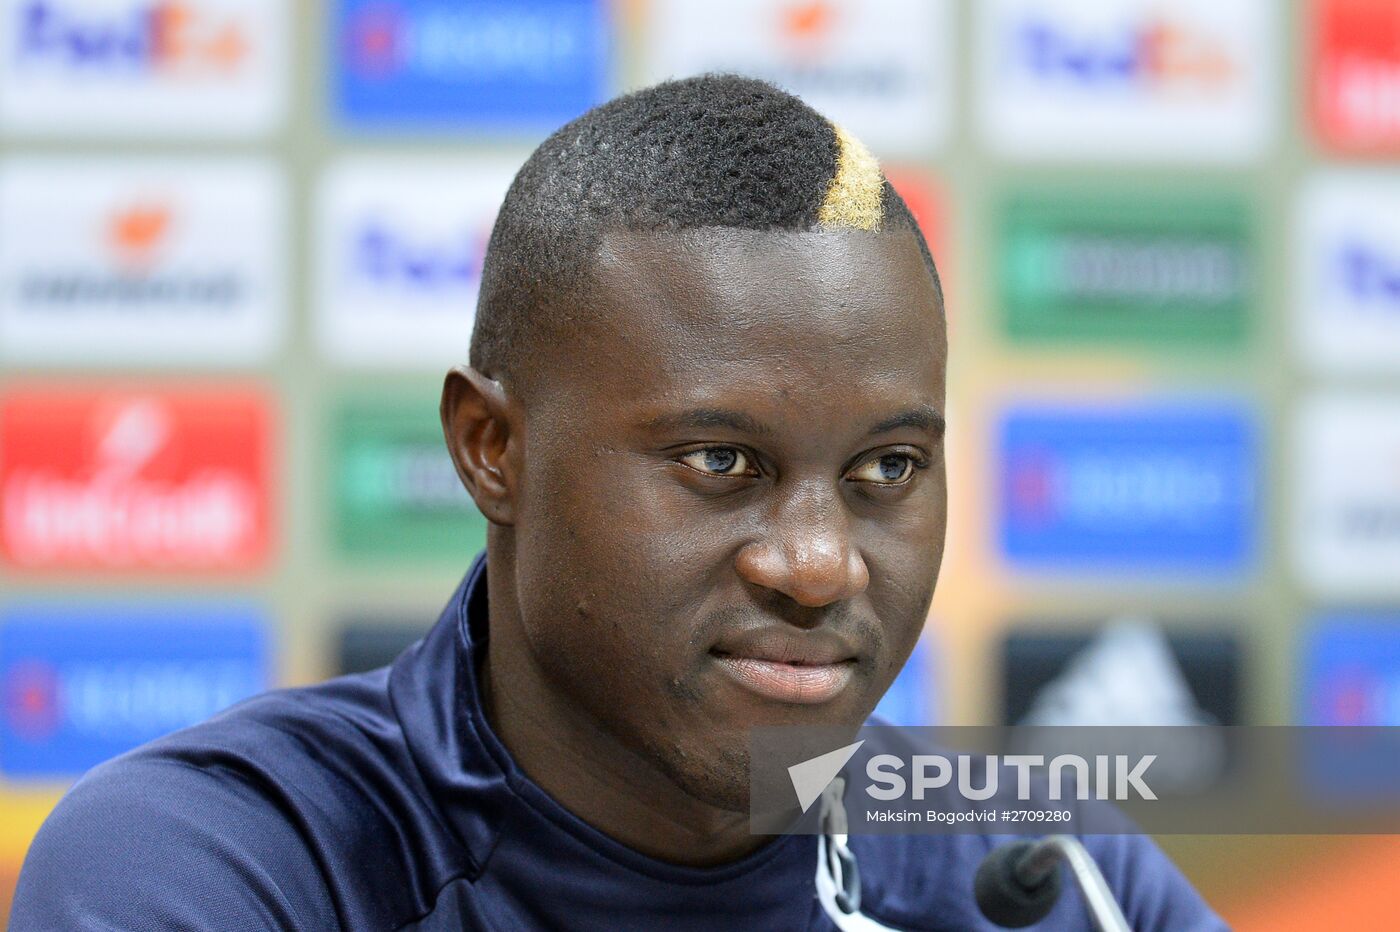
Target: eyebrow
{"points": [[924, 418], [710, 418]]}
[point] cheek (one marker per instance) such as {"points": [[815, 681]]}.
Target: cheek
{"points": [[905, 559], [613, 577], [627, 518], [908, 541]]}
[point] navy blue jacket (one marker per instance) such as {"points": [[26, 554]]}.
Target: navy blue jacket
{"points": [[384, 801]]}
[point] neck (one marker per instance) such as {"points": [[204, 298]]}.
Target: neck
{"points": [[588, 771]]}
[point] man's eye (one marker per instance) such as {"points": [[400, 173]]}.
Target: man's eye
{"points": [[719, 461], [890, 469]]}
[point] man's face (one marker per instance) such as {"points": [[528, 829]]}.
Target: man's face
{"points": [[732, 505]]}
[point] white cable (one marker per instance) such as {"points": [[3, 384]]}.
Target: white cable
{"points": [[838, 879]]}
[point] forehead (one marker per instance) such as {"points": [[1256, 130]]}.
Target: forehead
{"points": [[817, 335], [801, 306]]}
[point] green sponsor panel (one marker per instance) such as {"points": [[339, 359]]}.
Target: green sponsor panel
{"points": [[397, 496], [1127, 270]]}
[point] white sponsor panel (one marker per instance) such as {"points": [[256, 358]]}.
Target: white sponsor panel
{"points": [[1132, 79], [141, 261], [1348, 267], [399, 250], [1347, 541], [881, 68], [213, 68]]}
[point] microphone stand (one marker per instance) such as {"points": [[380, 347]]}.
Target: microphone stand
{"points": [[1046, 854]]}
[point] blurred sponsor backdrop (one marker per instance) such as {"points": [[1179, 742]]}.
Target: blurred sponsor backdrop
{"points": [[240, 242]]}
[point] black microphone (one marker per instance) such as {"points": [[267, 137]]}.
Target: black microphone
{"points": [[1018, 884], [1003, 892]]}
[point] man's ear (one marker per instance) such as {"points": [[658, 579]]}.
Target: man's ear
{"points": [[484, 440]]}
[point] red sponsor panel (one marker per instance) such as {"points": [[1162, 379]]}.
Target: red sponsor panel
{"points": [[1355, 75], [163, 481]]}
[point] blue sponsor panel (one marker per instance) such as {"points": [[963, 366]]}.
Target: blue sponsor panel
{"points": [[1350, 668], [1350, 678], [1157, 488], [912, 698], [82, 683], [469, 64]]}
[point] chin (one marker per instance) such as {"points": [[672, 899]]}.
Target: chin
{"points": [[718, 778]]}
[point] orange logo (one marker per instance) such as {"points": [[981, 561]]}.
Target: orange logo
{"points": [[180, 37], [1173, 53], [135, 231], [807, 21]]}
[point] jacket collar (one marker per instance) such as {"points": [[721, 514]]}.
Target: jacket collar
{"points": [[436, 693]]}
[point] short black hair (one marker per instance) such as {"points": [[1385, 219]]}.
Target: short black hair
{"points": [[714, 150]]}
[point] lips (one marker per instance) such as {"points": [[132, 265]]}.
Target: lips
{"points": [[788, 665]]}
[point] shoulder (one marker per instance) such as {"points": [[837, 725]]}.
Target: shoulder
{"points": [[294, 809], [154, 842]]}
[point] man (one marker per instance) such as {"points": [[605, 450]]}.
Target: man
{"points": [[704, 417]]}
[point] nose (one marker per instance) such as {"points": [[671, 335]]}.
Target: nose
{"points": [[807, 552]]}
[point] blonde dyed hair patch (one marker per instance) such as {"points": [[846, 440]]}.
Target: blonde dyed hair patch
{"points": [[855, 197]]}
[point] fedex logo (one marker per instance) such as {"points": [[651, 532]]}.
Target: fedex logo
{"points": [[79, 684], [164, 35], [388, 256], [1156, 54], [401, 250], [173, 482], [1136, 79], [1155, 488], [1348, 287], [487, 63], [142, 67]]}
